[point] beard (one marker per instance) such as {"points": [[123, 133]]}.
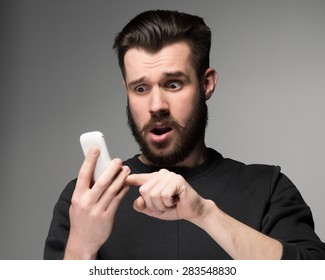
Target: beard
{"points": [[187, 136]]}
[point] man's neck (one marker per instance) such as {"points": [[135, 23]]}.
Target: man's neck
{"points": [[198, 156]]}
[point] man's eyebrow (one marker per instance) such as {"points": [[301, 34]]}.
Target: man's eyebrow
{"points": [[136, 82], [176, 74]]}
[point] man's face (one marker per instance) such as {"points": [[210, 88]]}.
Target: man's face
{"points": [[166, 111]]}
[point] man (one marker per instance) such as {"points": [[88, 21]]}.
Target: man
{"points": [[178, 199]]}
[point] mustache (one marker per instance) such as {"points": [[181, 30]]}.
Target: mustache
{"points": [[166, 119]]}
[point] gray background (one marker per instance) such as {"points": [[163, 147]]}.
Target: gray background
{"points": [[59, 78]]}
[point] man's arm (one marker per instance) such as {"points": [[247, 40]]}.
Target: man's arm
{"points": [[237, 239]]}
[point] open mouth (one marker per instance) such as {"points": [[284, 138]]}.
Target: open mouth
{"points": [[161, 130], [160, 134]]}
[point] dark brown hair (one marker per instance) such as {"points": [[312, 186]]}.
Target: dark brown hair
{"points": [[152, 30]]}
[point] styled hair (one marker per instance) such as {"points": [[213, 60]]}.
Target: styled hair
{"points": [[155, 29]]}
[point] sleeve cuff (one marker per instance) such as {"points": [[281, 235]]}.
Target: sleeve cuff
{"points": [[289, 251]]}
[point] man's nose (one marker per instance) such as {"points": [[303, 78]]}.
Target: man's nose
{"points": [[158, 101]]}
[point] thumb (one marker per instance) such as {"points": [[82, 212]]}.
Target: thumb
{"points": [[139, 204]]}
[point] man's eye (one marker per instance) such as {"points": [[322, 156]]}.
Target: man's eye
{"points": [[174, 84], [141, 89]]}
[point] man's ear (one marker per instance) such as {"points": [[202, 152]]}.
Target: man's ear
{"points": [[210, 82], [125, 86]]}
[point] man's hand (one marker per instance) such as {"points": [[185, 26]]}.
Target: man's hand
{"points": [[167, 196], [93, 207]]}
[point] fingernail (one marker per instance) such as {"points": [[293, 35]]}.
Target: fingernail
{"points": [[117, 161], [126, 168]]}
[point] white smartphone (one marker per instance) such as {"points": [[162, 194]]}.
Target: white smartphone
{"points": [[89, 139]]}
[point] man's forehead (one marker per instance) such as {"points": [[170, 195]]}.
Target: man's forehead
{"points": [[176, 51], [172, 60]]}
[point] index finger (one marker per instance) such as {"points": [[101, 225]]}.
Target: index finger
{"points": [[138, 179]]}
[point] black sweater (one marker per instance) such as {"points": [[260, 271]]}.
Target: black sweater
{"points": [[260, 196]]}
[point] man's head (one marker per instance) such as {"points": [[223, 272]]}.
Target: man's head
{"points": [[153, 30], [164, 58]]}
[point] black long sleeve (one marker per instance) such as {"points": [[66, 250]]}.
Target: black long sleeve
{"points": [[260, 196]]}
